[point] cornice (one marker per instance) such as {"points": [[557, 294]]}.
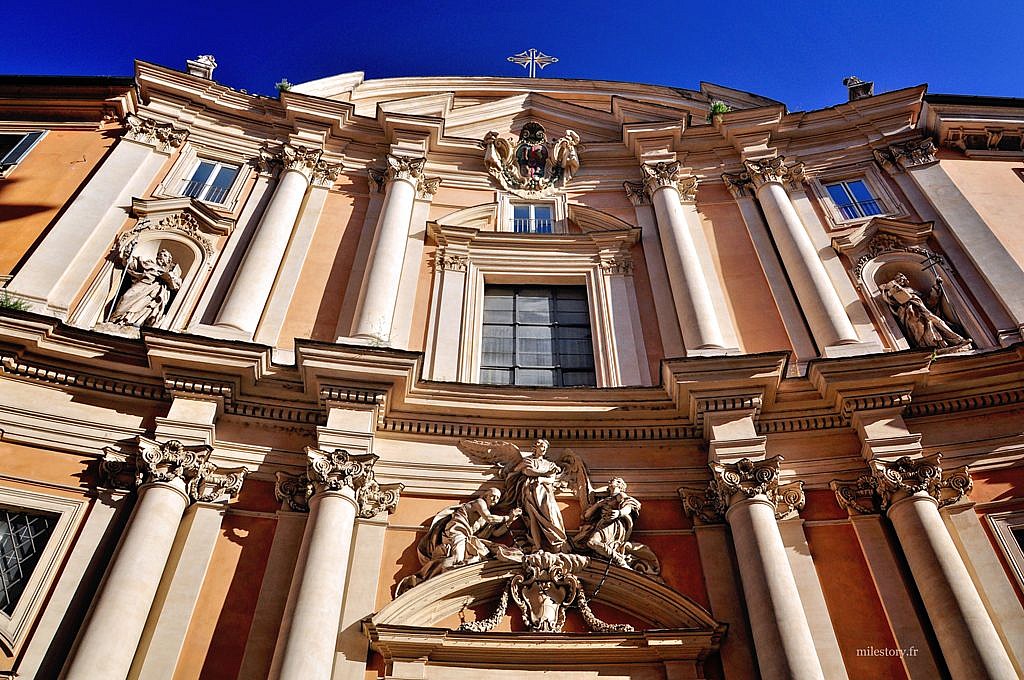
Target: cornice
{"points": [[163, 364]]}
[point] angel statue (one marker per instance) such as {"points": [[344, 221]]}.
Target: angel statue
{"points": [[531, 482], [922, 320], [608, 526], [497, 154], [456, 537], [566, 156]]}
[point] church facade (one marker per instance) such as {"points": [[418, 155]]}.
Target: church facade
{"points": [[432, 378]]}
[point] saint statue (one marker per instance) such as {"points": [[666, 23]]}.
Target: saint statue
{"points": [[922, 320], [533, 483], [154, 282]]}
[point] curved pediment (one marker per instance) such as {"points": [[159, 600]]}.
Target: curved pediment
{"points": [[642, 598]]}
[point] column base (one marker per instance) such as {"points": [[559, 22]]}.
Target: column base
{"points": [[852, 349]]}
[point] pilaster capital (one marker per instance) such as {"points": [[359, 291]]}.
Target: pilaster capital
{"points": [[739, 184], [337, 470], [445, 260], [326, 174], [905, 155], [293, 491], [426, 187], [668, 174], [768, 170], [161, 136], [893, 480], [616, 261], [635, 192], [171, 462]]}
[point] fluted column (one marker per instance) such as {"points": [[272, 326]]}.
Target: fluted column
{"points": [[750, 497], [169, 477], [700, 322], [342, 486], [252, 285], [910, 490], [376, 310], [825, 312]]}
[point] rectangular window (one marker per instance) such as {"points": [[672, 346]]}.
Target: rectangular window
{"points": [[14, 146], [532, 218], [537, 336], [22, 539], [211, 181], [853, 199]]}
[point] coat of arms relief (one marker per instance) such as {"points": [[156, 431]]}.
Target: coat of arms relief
{"points": [[532, 166], [524, 525]]}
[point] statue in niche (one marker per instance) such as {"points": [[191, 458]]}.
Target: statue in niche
{"points": [[926, 322], [154, 282], [456, 537]]}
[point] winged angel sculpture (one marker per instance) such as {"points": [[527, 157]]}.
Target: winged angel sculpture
{"points": [[528, 511]]}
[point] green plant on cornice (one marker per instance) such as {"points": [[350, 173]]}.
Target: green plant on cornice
{"points": [[283, 85], [8, 302], [717, 109]]}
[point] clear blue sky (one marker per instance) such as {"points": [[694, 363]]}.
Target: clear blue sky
{"points": [[796, 52]]}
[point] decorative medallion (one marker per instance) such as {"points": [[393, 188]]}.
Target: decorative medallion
{"points": [[533, 166]]}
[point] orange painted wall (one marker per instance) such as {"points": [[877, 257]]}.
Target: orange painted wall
{"points": [[33, 194], [758, 320], [996, 190], [322, 283], [216, 637]]}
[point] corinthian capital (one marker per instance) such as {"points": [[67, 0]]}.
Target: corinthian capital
{"points": [[405, 168], [767, 170], [162, 136], [892, 480], [337, 470], [739, 481], [906, 155], [169, 462], [747, 478], [669, 175]]}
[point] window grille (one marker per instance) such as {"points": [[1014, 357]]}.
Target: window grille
{"points": [[23, 537], [537, 336], [530, 218]]}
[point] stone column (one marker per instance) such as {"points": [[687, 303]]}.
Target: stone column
{"points": [[342, 486], [910, 490], [750, 494], [250, 290], [830, 325], [169, 477], [668, 187], [376, 310]]}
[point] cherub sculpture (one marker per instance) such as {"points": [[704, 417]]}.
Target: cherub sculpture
{"points": [[531, 482], [455, 537]]}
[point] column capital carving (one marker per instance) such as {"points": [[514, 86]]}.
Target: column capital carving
{"points": [[616, 261], [404, 168], [168, 462], [445, 260], [905, 155], [293, 491], [162, 136], [767, 170], [668, 174], [426, 187], [742, 480], [635, 192], [893, 480], [339, 469], [303, 159], [739, 184]]}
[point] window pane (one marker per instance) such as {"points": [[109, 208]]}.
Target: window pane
{"points": [[521, 212], [542, 212], [221, 184], [838, 194], [498, 305], [534, 305], [203, 172], [497, 349], [860, 191], [533, 376], [22, 539], [8, 142], [496, 376], [535, 346], [23, 142], [578, 378]]}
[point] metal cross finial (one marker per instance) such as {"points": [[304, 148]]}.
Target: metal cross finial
{"points": [[532, 59]]}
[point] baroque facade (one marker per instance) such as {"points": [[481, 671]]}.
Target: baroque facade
{"points": [[426, 378]]}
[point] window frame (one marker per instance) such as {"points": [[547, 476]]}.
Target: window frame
{"points": [[70, 512], [507, 204], [184, 168], [1003, 525], [892, 207], [556, 368], [8, 168], [188, 179]]}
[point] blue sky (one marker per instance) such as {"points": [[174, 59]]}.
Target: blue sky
{"points": [[796, 52]]}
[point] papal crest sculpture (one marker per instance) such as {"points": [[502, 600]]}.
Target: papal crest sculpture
{"points": [[524, 525], [533, 166]]}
